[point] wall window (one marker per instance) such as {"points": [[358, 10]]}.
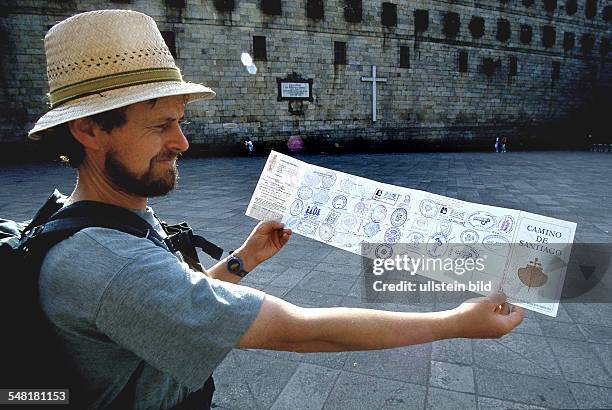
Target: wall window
{"points": [[587, 43], [512, 66], [548, 36], [352, 11], [224, 6], [271, 7], [315, 9], [477, 26], [607, 13], [389, 15], [259, 48], [590, 9], [170, 40], [571, 6], [555, 73], [339, 53], [503, 30], [462, 62], [526, 34], [421, 21], [451, 24], [550, 5], [404, 57], [604, 47], [568, 41], [175, 3], [527, 3]]}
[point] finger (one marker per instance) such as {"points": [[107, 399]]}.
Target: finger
{"points": [[269, 226], [515, 317], [497, 298]]}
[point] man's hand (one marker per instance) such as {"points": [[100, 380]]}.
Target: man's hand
{"points": [[264, 242], [488, 317]]}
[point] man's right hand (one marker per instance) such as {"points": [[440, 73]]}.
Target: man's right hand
{"points": [[487, 317]]}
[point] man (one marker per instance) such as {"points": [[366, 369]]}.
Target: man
{"points": [[131, 314]]}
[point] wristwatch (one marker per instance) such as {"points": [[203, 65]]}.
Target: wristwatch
{"points": [[236, 266]]}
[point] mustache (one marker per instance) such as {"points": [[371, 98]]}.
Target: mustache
{"points": [[167, 155]]}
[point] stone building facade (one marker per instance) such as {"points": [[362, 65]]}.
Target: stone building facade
{"points": [[456, 71]]}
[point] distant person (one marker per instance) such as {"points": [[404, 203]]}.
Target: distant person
{"points": [[497, 142], [248, 145], [503, 145]]}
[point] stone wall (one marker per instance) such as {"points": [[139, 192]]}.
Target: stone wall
{"points": [[430, 101]]}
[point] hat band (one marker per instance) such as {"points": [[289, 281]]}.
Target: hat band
{"points": [[112, 82]]}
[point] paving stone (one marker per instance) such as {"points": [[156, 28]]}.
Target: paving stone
{"points": [[304, 297], [451, 376], [444, 399], [398, 364], [452, 350], [308, 388], [327, 282], [358, 391], [522, 388], [597, 334], [290, 277], [561, 330], [591, 397], [488, 403]]}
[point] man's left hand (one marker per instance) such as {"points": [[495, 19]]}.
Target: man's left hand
{"points": [[264, 242]]}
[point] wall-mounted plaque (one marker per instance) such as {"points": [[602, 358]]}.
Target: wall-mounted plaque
{"points": [[294, 88]]}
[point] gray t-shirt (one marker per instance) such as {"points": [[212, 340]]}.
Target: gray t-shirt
{"points": [[117, 300]]}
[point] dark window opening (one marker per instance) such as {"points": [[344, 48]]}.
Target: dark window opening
{"points": [[352, 11], [587, 42], [512, 66], [315, 9], [607, 13], [590, 9], [463, 62], [339, 53], [121, 1], [594, 73], [389, 15], [404, 57], [259, 48], [170, 40], [526, 34], [476, 26], [175, 3], [571, 6], [549, 35], [604, 47], [568, 41], [450, 24], [527, 3], [421, 21], [556, 71], [224, 5], [550, 5], [489, 65], [503, 30], [271, 7]]}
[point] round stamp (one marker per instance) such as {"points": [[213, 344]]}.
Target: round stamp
{"points": [[406, 200], [359, 207], [312, 179], [383, 251], [393, 235], [326, 232], [339, 202], [296, 207], [421, 223], [436, 245], [469, 236], [371, 229], [415, 238], [378, 213], [321, 197], [292, 222], [349, 222], [305, 192], [494, 242], [329, 179], [399, 216], [445, 227], [347, 185], [428, 208], [463, 252], [506, 224], [482, 220]]}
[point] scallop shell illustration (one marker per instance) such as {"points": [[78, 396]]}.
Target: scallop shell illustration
{"points": [[532, 274]]}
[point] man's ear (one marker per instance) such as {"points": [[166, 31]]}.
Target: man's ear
{"points": [[87, 132]]}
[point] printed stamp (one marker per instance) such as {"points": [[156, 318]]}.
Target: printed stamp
{"points": [[399, 216], [393, 235], [428, 208], [378, 213]]}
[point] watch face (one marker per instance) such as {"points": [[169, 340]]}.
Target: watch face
{"points": [[234, 265]]}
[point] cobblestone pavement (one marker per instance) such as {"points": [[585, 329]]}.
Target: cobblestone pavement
{"points": [[565, 362]]}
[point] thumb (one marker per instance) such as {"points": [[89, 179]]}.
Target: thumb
{"points": [[497, 298], [269, 226], [515, 317]]}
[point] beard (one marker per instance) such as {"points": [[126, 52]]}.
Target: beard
{"points": [[150, 183]]}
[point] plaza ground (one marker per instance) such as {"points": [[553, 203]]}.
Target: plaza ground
{"points": [[563, 362]]}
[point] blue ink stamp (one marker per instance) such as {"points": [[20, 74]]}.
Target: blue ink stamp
{"points": [[349, 222], [339, 202], [383, 251], [393, 235], [506, 224], [494, 242], [428, 208], [305, 192], [482, 220], [332, 218], [312, 179], [436, 246], [463, 252], [469, 236], [296, 207], [378, 213], [399, 216], [371, 229], [445, 227], [328, 179], [321, 197], [415, 238], [326, 232], [359, 207], [312, 212]]}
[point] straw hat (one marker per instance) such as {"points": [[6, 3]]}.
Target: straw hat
{"points": [[102, 60]]}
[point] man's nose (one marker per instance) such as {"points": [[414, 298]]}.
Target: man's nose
{"points": [[178, 141]]}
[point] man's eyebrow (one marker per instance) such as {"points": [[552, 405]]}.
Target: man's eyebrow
{"points": [[170, 119]]}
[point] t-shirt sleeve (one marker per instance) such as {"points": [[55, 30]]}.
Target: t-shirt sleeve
{"points": [[178, 320]]}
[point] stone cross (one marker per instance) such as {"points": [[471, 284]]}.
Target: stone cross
{"points": [[374, 80]]}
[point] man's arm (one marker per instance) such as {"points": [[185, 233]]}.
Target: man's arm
{"points": [[283, 326]]}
